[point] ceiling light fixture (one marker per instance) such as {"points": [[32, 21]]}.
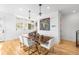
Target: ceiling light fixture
{"points": [[21, 9], [74, 11], [40, 13], [48, 7], [29, 14]]}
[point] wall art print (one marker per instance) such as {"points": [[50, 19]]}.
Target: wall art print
{"points": [[45, 24]]}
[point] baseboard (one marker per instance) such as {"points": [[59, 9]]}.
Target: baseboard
{"points": [[66, 40], [2, 41]]}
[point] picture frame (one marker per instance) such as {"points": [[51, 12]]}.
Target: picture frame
{"points": [[45, 24]]}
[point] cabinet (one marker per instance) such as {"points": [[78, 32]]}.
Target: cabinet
{"points": [[77, 38]]}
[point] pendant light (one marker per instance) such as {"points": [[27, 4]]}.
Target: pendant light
{"points": [[40, 13], [29, 14]]}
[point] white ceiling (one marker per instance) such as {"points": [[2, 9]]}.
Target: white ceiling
{"points": [[22, 9]]}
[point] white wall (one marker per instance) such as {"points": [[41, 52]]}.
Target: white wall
{"points": [[54, 31], [69, 26], [9, 24]]}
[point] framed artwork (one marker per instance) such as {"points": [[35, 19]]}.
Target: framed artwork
{"points": [[19, 26], [30, 26], [45, 24], [25, 26]]}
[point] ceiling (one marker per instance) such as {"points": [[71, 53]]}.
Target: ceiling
{"points": [[22, 9]]}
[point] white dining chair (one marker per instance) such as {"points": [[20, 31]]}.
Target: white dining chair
{"points": [[26, 41], [50, 43]]}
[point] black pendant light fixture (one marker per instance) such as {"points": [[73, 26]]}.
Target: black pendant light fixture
{"points": [[40, 13], [29, 14]]}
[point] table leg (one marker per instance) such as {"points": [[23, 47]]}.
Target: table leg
{"points": [[37, 48]]}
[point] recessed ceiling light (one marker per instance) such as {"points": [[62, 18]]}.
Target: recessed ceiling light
{"points": [[74, 11], [21, 9], [48, 7]]}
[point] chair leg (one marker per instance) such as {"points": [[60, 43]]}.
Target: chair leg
{"points": [[53, 49], [34, 50], [47, 52], [37, 47]]}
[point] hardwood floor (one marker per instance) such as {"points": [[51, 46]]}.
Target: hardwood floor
{"points": [[9, 47], [12, 47], [66, 48]]}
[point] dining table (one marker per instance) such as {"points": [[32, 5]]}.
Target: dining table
{"points": [[37, 41]]}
